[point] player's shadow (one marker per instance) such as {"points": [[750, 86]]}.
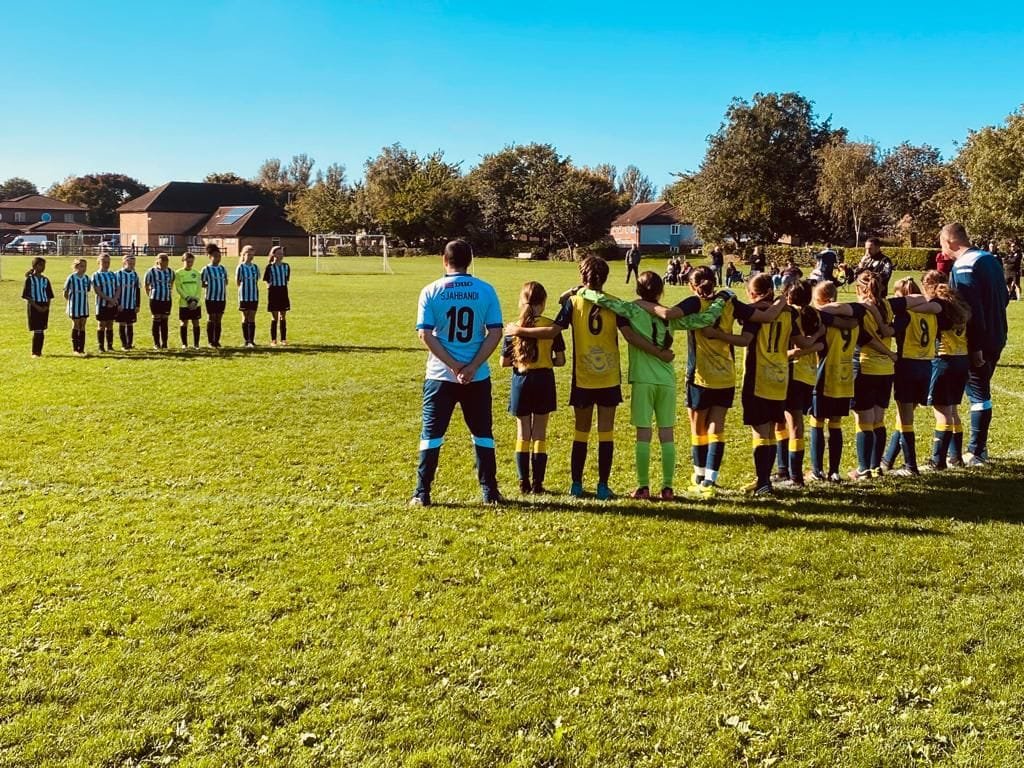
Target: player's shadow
{"points": [[263, 350]]}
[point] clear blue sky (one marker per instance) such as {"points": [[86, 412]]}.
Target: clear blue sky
{"points": [[174, 90]]}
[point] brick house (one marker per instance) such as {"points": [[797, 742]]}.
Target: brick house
{"points": [[654, 227], [184, 214], [42, 215]]}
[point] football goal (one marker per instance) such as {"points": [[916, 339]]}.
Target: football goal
{"points": [[350, 254]]}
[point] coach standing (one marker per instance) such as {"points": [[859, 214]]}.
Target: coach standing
{"points": [[978, 277], [876, 262], [633, 262], [459, 322]]}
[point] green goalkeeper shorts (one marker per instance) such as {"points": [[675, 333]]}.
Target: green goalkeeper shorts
{"points": [[657, 400]]}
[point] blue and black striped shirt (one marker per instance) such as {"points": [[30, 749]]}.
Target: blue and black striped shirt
{"points": [[77, 288], [215, 280], [159, 282], [106, 282], [248, 278], [37, 289], [128, 279], [277, 274]]}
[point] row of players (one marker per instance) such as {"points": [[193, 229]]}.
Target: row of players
{"points": [[118, 297], [806, 354]]}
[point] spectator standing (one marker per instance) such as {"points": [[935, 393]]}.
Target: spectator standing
{"points": [[757, 261], [825, 264], [632, 262], [944, 262], [977, 277], [876, 262], [1011, 270], [717, 263]]}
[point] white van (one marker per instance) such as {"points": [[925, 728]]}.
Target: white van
{"points": [[29, 244]]}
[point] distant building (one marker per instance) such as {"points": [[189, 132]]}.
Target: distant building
{"points": [[184, 214], [42, 215], [654, 227]]}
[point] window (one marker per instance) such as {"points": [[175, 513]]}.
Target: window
{"points": [[275, 241], [674, 230], [19, 217], [165, 241], [234, 214], [69, 218]]}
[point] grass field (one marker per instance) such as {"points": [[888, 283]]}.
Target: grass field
{"points": [[207, 559]]}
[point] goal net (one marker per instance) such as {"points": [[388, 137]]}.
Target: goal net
{"points": [[353, 254]]}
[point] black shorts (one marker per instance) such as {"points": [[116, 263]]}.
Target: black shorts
{"points": [[823, 407], [126, 315], [606, 397], [871, 390], [799, 396], [277, 299], [700, 398], [532, 392], [248, 306], [158, 307], [949, 379], [913, 378], [38, 321], [105, 314], [760, 410], [190, 313], [215, 307]]}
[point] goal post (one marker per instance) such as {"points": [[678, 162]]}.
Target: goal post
{"points": [[350, 253]]}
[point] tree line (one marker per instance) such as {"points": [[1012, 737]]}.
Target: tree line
{"points": [[773, 169]]}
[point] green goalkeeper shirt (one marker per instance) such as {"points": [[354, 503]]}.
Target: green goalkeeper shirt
{"points": [[643, 366], [188, 285]]}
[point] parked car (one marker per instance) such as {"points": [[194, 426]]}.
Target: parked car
{"points": [[30, 244]]}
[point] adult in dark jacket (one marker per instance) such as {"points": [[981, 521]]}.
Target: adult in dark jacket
{"points": [[633, 262], [978, 278], [876, 262]]}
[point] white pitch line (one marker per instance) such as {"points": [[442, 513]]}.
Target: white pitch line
{"points": [[1007, 392]]}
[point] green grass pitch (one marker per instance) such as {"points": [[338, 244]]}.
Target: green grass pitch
{"points": [[207, 559]]}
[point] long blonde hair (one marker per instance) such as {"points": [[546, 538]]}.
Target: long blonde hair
{"points": [[244, 252], [935, 285], [524, 351]]}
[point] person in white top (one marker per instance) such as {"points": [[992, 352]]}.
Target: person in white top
{"points": [[459, 322]]}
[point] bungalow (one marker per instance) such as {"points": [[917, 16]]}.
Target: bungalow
{"points": [[182, 214], [42, 215], [653, 227]]}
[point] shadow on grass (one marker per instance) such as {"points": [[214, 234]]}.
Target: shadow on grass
{"points": [[206, 352], [898, 505]]}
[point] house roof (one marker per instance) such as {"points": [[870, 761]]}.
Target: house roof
{"points": [[192, 197], [250, 221], [40, 203], [650, 213], [45, 227]]}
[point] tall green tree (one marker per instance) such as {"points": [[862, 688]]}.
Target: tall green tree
{"points": [[16, 187], [101, 193], [849, 186], [326, 206], [910, 176], [634, 186], [229, 177], [759, 175], [420, 199], [990, 166]]}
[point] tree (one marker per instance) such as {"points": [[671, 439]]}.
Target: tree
{"points": [[759, 174], [418, 199], [101, 193], [228, 177], [910, 177], [298, 172], [16, 187], [327, 205], [270, 174], [635, 186], [849, 186], [578, 207], [990, 167]]}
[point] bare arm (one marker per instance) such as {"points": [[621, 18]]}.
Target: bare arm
{"points": [[490, 344], [431, 342], [545, 332], [922, 306], [665, 313], [769, 313], [637, 340], [558, 359], [796, 352], [878, 346], [736, 340]]}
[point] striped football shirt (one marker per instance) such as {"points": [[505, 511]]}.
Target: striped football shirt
{"points": [[106, 282], [248, 278], [215, 280], [159, 282], [37, 289], [77, 288], [128, 279], [277, 274]]}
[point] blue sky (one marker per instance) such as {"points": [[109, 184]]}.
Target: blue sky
{"points": [[174, 90]]}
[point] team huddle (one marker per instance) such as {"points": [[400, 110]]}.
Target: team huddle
{"points": [[118, 298], [807, 355]]}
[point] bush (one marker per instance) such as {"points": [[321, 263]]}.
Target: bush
{"points": [[915, 259]]}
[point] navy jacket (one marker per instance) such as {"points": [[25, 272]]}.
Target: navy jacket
{"points": [[978, 277]]}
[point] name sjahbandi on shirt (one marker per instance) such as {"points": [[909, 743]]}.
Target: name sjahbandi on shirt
{"points": [[458, 310]]}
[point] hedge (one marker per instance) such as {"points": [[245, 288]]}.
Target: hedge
{"points": [[902, 257]]}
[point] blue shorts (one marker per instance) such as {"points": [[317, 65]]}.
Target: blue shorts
{"points": [[913, 378], [949, 379], [700, 398], [760, 410], [799, 396], [871, 391], [532, 392]]}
